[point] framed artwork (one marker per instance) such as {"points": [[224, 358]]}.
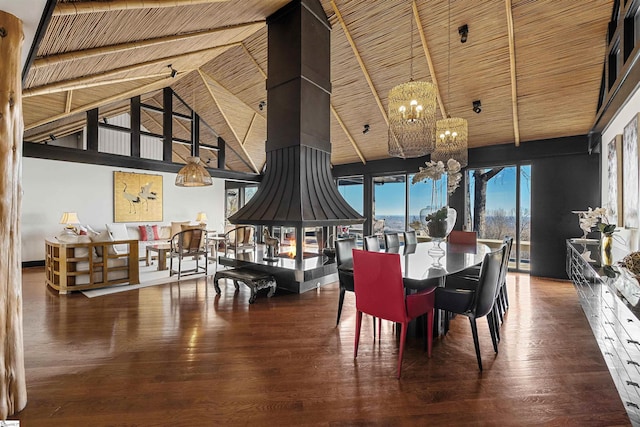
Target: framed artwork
{"points": [[615, 179], [630, 171], [137, 197]]}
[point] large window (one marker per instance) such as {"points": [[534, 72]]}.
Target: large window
{"points": [[389, 203], [352, 191]]}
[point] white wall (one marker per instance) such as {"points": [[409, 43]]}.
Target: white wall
{"points": [[626, 240], [52, 187]]}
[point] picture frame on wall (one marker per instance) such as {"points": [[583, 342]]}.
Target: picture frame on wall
{"points": [[630, 171], [615, 208], [137, 197]]}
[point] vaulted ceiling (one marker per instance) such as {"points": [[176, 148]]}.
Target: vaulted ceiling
{"points": [[536, 67]]}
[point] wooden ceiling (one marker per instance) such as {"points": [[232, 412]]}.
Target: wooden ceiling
{"points": [[536, 66]]}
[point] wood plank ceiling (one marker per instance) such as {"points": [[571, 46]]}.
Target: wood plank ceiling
{"points": [[536, 66]]}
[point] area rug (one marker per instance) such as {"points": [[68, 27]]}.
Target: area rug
{"points": [[150, 276]]}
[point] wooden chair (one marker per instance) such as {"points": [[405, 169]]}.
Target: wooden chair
{"points": [[190, 243], [379, 290], [240, 238]]}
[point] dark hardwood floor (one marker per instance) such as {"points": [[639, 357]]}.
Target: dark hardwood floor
{"points": [[179, 355]]}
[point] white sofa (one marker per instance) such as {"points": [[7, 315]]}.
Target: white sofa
{"points": [[121, 231]]}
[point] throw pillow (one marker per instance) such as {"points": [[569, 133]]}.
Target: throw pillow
{"points": [[176, 227], [148, 232], [104, 236], [119, 232]]}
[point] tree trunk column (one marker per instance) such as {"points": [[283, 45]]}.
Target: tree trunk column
{"points": [[13, 389]]}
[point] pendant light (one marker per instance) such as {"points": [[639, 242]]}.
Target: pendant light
{"points": [[193, 174]]}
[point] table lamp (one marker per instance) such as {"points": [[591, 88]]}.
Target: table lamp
{"points": [[70, 218], [201, 218]]}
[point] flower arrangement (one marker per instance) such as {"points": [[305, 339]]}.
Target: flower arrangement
{"points": [[435, 170], [596, 218]]}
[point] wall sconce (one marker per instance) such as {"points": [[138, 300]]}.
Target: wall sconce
{"points": [[477, 107], [464, 33], [174, 72], [366, 128]]}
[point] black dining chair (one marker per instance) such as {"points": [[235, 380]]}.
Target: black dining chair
{"points": [[391, 242], [477, 302], [372, 244], [410, 238], [344, 248]]}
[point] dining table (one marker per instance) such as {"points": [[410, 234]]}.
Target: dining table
{"points": [[427, 264]]}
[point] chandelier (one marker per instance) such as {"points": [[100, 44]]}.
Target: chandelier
{"points": [[451, 141], [412, 112], [451, 132], [193, 174]]}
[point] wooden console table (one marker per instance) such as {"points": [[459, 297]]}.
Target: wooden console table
{"points": [[610, 299], [255, 280]]}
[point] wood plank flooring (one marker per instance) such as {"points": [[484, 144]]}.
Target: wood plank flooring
{"points": [[179, 355]]}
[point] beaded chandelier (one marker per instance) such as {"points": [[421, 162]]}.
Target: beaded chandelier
{"points": [[412, 112], [451, 141]]}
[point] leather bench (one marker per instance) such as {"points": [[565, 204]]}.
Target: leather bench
{"points": [[255, 280]]}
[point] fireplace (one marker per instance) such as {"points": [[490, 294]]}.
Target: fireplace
{"points": [[298, 189]]}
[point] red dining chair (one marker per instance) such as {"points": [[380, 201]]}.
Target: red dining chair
{"points": [[458, 237], [380, 292]]}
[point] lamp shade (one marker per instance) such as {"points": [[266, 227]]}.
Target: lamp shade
{"points": [[201, 217], [451, 141], [193, 174], [69, 218], [412, 112]]}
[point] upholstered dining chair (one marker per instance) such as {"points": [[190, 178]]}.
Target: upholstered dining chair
{"points": [[410, 238], [372, 243], [392, 242], [380, 292], [190, 243], [344, 248], [475, 301], [463, 237]]}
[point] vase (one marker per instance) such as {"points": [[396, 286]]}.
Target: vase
{"points": [[438, 222], [606, 245]]}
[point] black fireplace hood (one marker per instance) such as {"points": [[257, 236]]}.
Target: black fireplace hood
{"points": [[298, 188]]}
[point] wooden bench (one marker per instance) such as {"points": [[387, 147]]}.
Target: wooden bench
{"points": [[255, 280]]}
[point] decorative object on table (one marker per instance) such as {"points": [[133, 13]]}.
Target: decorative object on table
{"points": [[632, 263], [70, 219], [193, 174], [437, 219], [615, 179], [137, 197], [630, 172], [598, 218], [412, 114], [272, 244]]}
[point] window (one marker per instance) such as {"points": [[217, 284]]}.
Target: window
{"points": [[389, 202]]}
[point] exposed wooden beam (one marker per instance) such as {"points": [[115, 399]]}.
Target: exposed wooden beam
{"points": [[349, 137], [246, 135], [254, 61], [226, 119], [512, 63], [360, 61], [210, 77], [78, 8], [101, 102], [86, 82], [67, 106], [123, 47], [427, 54]]}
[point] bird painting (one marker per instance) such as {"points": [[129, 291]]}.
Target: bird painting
{"points": [[146, 194], [131, 198]]}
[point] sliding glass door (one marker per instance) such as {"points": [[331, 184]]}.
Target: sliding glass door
{"points": [[499, 204]]}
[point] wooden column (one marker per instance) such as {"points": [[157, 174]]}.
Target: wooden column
{"points": [[13, 389]]}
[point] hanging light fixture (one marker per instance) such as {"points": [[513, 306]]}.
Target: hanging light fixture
{"points": [[412, 112], [451, 132], [193, 174]]}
